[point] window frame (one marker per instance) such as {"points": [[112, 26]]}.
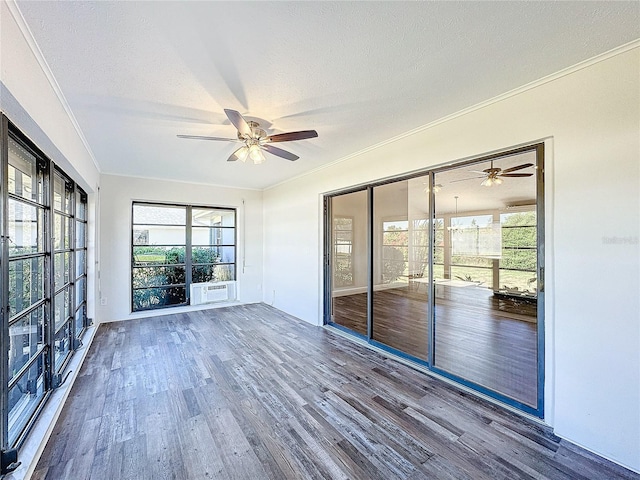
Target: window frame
{"points": [[188, 264], [41, 361]]}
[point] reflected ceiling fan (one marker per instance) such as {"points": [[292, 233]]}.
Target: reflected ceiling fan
{"points": [[255, 139], [492, 176]]}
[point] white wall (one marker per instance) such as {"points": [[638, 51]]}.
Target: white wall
{"points": [[590, 117], [116, 196], [30, 100]]}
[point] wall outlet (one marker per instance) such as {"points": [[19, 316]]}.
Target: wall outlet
{"points": [[103, 301]]}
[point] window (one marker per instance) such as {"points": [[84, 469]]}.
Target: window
{"points": [[62, 254], [27, 211], [45, 247], [174, 246]]}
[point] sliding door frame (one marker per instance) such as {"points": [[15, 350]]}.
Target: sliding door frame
{"points": [[538, 147]]}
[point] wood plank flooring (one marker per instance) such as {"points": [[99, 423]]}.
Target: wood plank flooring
{"points": [[488, 340], [248, 392]]}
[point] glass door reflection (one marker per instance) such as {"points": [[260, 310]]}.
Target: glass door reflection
{"points": [[486, 295], [349, 261], [400, 266]]}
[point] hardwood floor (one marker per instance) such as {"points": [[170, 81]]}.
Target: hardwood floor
{"points": [[248, 392], [489, 340]]}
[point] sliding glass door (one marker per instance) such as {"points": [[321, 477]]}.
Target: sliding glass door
{"points": [[486, 315], [349, 291], [444, 268], [400, 266]]}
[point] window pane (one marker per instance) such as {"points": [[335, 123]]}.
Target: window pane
{"points": [[61, 269], [24, 398], [81, 256], [61, 345], [213, 273], [80, 235], [26, 336], [159, 235], [81, 291], [62, 194], [484, 331], [400, 266], [206, 217], [148, 298], [25, 175], [213, 255], [350, 261], [26, 228], [213, 236], [81, 314], [158, 255], [26, 283], [158, 276], [61, 232], [81, 205], [159, 215], [61, 308]]}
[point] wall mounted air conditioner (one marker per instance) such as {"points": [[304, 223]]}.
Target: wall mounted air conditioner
{"points": [[210, 292]]}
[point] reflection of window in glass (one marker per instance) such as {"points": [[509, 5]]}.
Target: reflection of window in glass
{"points": [[438, 248], [475, 241], [519, 252], [342, 251], [395, 250], [476, 236]]}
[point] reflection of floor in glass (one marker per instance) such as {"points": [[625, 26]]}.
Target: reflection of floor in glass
{"points": [[486, 339]]}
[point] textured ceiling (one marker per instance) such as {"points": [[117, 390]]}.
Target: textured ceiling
{"points": [[135, 74]]}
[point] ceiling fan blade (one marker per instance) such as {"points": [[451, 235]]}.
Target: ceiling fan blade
{"points": [[200, 137], [280, 153], [518, 167], [478, 171], [464, 179], [288, 137], [239, 154], [239, 122], [515, 174]]}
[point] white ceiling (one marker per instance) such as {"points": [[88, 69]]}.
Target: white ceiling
{"points": [[135, 74]]}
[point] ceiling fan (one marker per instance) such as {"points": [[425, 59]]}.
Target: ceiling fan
{"points": [[255, 139], [492, 176]]}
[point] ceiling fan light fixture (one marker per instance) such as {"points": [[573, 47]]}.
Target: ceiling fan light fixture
{"points": [[255, 140], [255, 153], [487, 182], [242, 154]]}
